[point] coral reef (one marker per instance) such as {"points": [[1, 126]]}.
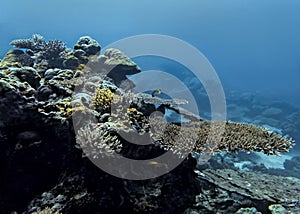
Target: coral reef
{"points": [[51, 54], [236, 137], [16, 58], [103, 98], [115, 65], [35, 44], [97, 141], [44, 87], [88, 45], [39, 49]]}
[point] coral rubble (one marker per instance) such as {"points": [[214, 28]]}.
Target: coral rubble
{"points": [[249, 189]]}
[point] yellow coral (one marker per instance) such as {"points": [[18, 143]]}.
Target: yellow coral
{"points": [[67, 109], [131, 110], [82, 67], [70, 111], [6, 71], [103, 98]]}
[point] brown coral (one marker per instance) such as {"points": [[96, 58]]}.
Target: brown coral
{"points": [[236, 136]]}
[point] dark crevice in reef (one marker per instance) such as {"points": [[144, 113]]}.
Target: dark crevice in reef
{"points": [[28, 167]]}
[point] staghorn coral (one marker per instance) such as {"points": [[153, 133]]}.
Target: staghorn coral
{"points": [[53, 49], [240, 136], [180, 140], [237, 136], [97, 141]]}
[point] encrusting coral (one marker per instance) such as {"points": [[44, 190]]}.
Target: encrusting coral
{"points": [[16, 58], [88, 45]]}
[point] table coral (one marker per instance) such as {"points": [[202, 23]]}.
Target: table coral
{"points": [[237, 136]]}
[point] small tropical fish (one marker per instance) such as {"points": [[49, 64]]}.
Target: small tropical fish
{"points": [[156, 91], [153, 162]]}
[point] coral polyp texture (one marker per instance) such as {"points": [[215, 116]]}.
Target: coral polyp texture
{"points": [[236, 137], [103, 98], [96, 141], [35, 44], [59, 106]]}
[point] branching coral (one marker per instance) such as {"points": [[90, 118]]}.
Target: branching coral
{"points": [[97, 141], [39, 48], [38, 44], [35, 44], [53, 49], [237, 136], [127, 112]]}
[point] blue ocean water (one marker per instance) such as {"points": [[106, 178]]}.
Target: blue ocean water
{"points": [[254, 46]]}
